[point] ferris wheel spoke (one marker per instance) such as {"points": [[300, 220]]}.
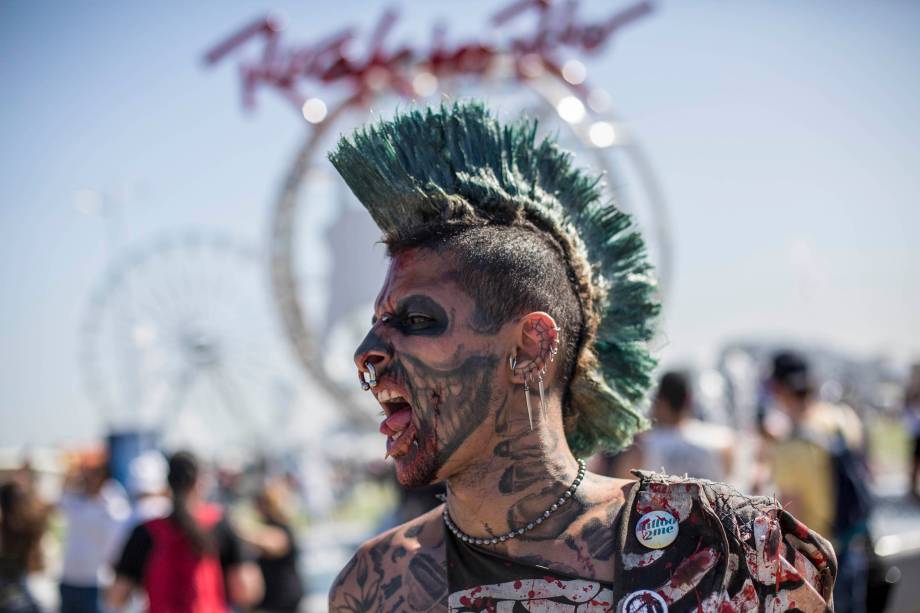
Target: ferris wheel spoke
{"points": [[147, 290], [183, 287], [161, 284], [160, 290], [215, 280], [217, 267], [216, 284], [155, 318], [154, 297], [250, 368], [232, 400], [197, 284], [173, 404], [259, 378]]}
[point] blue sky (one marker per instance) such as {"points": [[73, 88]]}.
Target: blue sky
{"points": [[784, 136]]}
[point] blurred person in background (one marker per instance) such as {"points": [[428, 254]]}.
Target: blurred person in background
{"points": [[912, 422], [150, 499], [498, 360], [23, 522], [820, 473], [191, 560], [95, 509], [678, 443], [276, 544]]}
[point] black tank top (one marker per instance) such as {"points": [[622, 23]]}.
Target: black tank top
{"points": [[283, 586], [480, 580]]}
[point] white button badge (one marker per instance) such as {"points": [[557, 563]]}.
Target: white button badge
{"points": [[657, 529], [644, 601]]}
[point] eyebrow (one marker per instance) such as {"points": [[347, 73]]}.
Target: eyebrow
{"points": [[419, 301]]}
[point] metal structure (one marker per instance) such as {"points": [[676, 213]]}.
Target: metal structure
{"points": [[179, 338], [526, 75]]}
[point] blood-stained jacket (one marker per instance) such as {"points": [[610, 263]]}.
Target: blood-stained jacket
{"points": [[731, 552]]}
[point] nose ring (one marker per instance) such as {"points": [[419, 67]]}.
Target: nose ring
{"points": [[370, 377]]}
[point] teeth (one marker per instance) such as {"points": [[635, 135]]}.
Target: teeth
{"points": [[389, 396], [396, 436]]}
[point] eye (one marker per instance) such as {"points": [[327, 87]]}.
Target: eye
{"points": [[417, 320]]}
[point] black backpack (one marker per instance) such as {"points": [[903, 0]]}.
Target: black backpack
{"points": [[854, 501]]}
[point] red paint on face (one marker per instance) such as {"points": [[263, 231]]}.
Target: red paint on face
{"points": [[416, 460]]}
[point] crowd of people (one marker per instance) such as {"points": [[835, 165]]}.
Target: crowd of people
{"points": [[814, 459], [159, 545], [161, 542]]}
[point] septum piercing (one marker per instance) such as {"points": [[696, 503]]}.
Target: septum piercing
{"points": [[370, 377]]}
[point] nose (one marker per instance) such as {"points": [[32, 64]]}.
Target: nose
{"points": [[373, 350]]}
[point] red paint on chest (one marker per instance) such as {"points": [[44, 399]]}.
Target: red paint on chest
{"points": [[690, 568]]}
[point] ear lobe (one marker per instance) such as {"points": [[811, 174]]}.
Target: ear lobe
{"points": [[537, 344]]}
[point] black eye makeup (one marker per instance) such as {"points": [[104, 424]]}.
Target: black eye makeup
{"points": [[420, 315]]}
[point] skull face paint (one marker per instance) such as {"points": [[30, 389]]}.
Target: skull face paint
{"points": [[436, 374]]}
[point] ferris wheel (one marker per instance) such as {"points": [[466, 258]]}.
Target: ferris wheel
{"points": [[180, 338], [325, 265]]}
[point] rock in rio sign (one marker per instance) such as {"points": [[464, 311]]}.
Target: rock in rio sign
{"points": [[284, 68], [334, 70]]}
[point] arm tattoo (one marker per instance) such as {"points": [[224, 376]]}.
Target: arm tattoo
{"points": [[366, 571], [426, 582], [389, 578]]}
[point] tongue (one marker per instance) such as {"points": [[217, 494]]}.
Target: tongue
{"points": [[396, 422]]}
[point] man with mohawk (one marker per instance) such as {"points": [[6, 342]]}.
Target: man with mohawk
{"points": [[508, 342]]}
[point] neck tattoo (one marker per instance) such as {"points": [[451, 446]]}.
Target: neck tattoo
{"points": [[466, 538]]}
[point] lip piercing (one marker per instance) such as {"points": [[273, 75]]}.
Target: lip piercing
{"points": [[370, 377]]}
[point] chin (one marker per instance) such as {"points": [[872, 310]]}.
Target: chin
{"points": [[420, 465]]}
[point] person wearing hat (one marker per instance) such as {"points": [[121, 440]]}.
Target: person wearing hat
{"points": [[508, 344]]}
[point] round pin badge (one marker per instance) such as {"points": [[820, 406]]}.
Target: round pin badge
{"points": [[657, 529], [644, 601]]}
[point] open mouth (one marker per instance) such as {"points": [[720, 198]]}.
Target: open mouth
{"points": [[398, 426]]}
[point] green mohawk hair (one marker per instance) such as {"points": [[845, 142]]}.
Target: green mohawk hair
{"points": [[455, 164]]}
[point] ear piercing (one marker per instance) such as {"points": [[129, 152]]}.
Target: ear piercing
{"points": [[512, 362], [541, 387], [542, 392], [527, 400], [553, 350]]}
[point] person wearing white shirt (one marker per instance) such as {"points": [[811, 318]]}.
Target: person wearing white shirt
{"points": [[678, 443], [95, 509]]}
